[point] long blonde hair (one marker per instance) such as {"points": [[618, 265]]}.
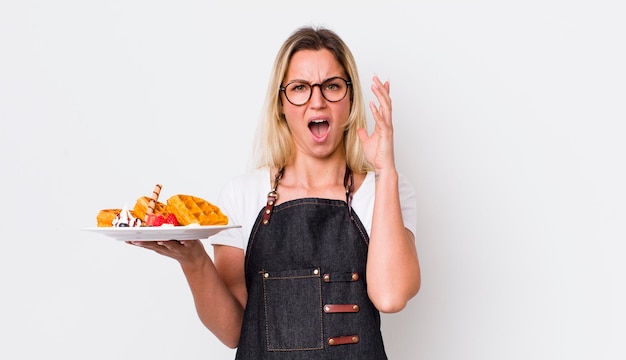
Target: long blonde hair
{"points": [[274, 144]]}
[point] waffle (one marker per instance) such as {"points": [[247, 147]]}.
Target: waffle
{"points": [[106, 216], [139, 211], [194, 210]]}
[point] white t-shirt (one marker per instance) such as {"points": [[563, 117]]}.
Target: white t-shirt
{"points": [[243, 198]]}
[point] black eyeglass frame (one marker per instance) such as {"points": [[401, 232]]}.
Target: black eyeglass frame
{"points": [[311, 86]]}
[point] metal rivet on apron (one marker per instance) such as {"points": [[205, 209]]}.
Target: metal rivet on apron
{"points": [[331, 341], [316, 271], [326, 277], [355, 339], [266, 275], [355, 276], [356, 307]]}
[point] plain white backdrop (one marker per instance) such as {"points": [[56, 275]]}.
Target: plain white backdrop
{"points": [[509, 120]]}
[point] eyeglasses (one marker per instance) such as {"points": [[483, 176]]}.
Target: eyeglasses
{"points": [[299, 92]]}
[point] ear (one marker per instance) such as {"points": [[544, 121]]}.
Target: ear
{"points": [[281, 108]]}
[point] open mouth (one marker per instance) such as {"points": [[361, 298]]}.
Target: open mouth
{"points": [[319, 127]]}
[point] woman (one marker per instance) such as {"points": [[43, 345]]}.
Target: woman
{"points": [[327, 236]]}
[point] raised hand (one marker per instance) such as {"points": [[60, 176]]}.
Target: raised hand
{"points": [[378, 146]]}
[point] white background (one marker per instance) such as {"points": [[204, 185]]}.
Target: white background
{"points": [[509, 121]]}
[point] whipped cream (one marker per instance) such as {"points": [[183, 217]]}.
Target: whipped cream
{"points": [[125, 219]]}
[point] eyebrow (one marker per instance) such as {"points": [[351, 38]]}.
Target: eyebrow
{"points": [[308, 82]]}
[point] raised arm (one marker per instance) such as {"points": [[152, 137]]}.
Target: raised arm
{"points": [[393, 271]]}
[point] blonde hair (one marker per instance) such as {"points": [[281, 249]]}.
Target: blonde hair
{"points": [[274, 144]]}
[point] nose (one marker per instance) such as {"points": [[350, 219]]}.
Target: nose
{"points": [[317, 99]]}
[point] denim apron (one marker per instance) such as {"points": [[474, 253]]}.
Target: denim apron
{"points": [[305, 275]]}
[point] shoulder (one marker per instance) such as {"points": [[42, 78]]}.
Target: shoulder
{"points": [[247, 184], [363, 201], [245, 191], [241, 200], [255, 177]]}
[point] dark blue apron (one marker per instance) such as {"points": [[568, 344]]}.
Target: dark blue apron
{"points": [[305, 275]]}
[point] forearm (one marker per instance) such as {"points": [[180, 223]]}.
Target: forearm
{"points": [[217, 307], [393, 272]]}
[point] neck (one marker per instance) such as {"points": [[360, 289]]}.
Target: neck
{"points": [[311, 173]]}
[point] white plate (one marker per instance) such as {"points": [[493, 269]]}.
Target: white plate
{"points": [[190, 232]]}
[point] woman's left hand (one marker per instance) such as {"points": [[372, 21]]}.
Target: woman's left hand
{"points": [[378, 146]]}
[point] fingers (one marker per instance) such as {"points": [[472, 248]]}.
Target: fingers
{"points": [[170, 244], [379, 84], [379, 146], [171, 248], [381, 91]]}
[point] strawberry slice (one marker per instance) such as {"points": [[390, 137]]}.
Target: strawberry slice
{"points": [[155, 220], [171, 219]]}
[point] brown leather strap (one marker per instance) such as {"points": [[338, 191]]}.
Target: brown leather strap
{"points": [[348, 184], [341, 308], [269, 207], [346, 277], [343, 340], [271, 199]]}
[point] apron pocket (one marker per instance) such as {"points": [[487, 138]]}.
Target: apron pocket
{"points": [[293, 310]]}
